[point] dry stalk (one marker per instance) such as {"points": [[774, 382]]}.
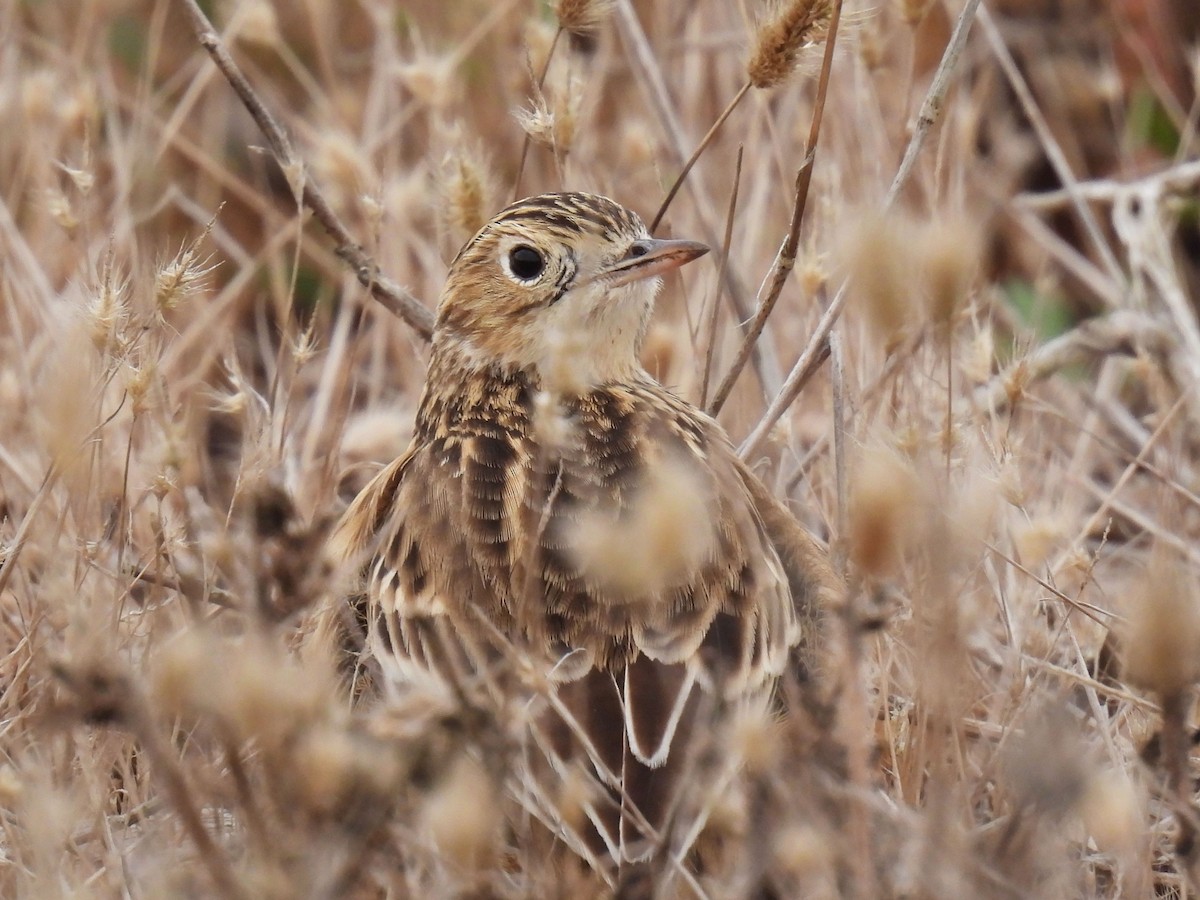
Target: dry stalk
{"points": [[1119, 332], [646, 67], [390, 295], [935, 98], [527, 140], [700, 148], [784, 263], [815, 351], [1050, 145], [711, 342], [774, 58]]}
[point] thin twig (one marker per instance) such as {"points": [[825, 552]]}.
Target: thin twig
{"points": [[525, 144], [816, 350], [1118, 332], [815, 353], [650, 76], [716, 306], [784, 263], [1178, 178], [931, 108], [390, 295], [700, 148], [1050, 145]]}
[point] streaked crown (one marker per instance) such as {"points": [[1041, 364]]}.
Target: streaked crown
{"points": [[554, 279]]}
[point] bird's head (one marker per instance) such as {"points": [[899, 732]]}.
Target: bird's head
{"points": [[560, 285]]}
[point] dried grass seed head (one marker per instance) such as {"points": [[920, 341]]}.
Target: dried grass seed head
{"points": [[258, 24], [1162, 631], [463, 814], [1113, 812], [1045, 765], [250, 686], [804, 853], [875, 252], [757, 738], [468, 192], [581, 17], [183, 277], [108, 310], [39, 93], [553, 117], [883, 505], [59, 206], [334, 765], [795, 25], [950, 252], [431, 80], [663, 536]]}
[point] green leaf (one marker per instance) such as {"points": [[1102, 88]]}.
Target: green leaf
{"points": [[1046, 315], [1148, 124]]}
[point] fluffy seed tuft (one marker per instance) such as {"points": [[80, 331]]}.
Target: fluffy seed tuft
{"points": [[796, 25], [463, 814], [882, 505], [665, 532], [1162, 634], [581, 17]]}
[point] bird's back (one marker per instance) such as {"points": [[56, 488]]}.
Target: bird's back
{"points": [[563, 517], [613, 529]]}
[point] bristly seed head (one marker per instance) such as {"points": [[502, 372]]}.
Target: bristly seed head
{"points": [[185, 275], [467, 188], [109, 309], [1162, 635], [581, 17], [779, 42]]}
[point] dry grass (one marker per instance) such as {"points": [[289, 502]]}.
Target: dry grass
{"points": [[192, 386]]}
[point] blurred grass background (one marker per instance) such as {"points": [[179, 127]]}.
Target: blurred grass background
{"points": [[192, 386]]}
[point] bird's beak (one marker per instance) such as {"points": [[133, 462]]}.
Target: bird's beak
{"points": [[650, 257]]}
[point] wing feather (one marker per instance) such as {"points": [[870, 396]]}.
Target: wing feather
{"points": [[483, 520], [654, 696]]}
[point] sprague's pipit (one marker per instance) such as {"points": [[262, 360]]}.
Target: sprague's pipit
{"points": [[555, 491]]}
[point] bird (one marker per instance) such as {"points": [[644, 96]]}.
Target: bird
{"points": [[556, 494]]}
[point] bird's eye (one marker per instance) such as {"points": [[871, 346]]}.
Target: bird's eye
{"points": [[525, 262]]}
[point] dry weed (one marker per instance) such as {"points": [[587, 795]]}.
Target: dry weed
{"points": [[192, 385]]}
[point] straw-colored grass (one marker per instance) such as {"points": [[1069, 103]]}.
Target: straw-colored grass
{"points": [[1000, 441]]}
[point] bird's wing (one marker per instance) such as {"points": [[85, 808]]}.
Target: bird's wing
{"points": [[815, 587], [732, 616], [357, 532], [403, 532], [687, 574]]}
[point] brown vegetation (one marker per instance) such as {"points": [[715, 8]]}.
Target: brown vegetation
{"points": [[998, 435]]}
